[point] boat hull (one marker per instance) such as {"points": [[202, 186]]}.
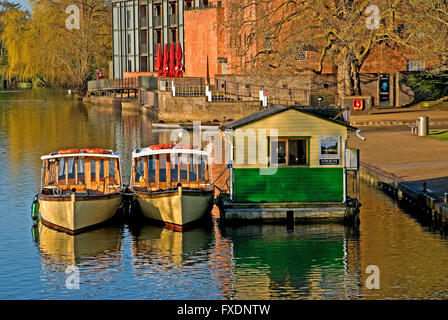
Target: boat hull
{"points": [[176, 208], [75, 214]]}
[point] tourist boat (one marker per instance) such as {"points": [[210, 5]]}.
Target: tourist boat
{"points": [[80, 188], [171, 184]]}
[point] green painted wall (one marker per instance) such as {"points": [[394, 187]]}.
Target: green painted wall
{"points": [[289, 184]]}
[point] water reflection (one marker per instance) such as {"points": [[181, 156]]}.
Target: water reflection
{"points": [[100, 247], [310, 262], [157, 246]]}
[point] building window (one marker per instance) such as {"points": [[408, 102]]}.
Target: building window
{"points": [[172, 8], [143, 64], [157, 10], [189, 4], [129, 44], [128, 18], [173, 35], [158, 37], [289, 151], [416, 65]]}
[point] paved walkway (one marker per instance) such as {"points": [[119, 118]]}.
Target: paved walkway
{"points": [[405, 156]]}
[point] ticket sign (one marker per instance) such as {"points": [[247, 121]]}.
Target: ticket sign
{"points": [[329, 150]]}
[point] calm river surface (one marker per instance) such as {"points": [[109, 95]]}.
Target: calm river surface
{"points": [[150, 262]]}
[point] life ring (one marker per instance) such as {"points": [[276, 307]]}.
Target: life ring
{"points": [[160, 146], [155, 147], [96, 151], [69, 151]]}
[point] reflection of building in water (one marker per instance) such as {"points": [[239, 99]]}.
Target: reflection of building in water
{"points": [[221, 263], [100, 247], [312, 262], [155, 246]]}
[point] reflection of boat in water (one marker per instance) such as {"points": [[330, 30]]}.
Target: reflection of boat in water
{"points": [[159, 245], [99, 246], [80, 188], [172, 184]]}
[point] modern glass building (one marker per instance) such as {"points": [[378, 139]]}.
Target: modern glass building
{"points": [[138, 26]]}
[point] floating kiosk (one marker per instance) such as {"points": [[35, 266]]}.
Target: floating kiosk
{"points": [[290, 164]]}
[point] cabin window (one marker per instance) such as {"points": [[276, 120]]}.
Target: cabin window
{"points": [[289, 151], [151, 169], [139, 170], [101, 169], [112, 168], [51, 172], [163, 168], [174, 170], [201, 168], [61, 169], [185, 167], [193, 167], [297, 152], [71, 168], [81, 170], [92, 170]]}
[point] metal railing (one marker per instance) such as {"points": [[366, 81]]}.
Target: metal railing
{"points": [[188, 90], [105, 84]]}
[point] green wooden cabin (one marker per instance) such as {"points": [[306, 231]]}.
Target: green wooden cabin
{"points": [[288, 154]]}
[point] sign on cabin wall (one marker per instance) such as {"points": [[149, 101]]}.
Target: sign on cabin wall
{"points": [[329, 150]]}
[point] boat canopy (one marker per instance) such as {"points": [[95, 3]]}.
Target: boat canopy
{"points": [[81, 172], [166, 168]]}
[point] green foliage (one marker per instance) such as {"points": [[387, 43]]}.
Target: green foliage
{"points": [[435, 85], [40, 48]]}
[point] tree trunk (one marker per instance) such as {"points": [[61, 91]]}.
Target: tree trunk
{"points": [[349, 83]]}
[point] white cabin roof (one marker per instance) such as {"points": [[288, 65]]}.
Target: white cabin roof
{"points": [[143, 152], [114, 155]]}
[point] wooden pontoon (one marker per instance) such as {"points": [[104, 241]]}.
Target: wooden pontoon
{"points": [[80, 188], [172, 184]]}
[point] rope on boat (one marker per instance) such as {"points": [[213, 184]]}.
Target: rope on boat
{"points": [[225, 182]]}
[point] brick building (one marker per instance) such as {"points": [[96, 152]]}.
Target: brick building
{"points": [[138, 27]]}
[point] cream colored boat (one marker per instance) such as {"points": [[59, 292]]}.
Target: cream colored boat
{"points": [[172, 184], [80, 188]]}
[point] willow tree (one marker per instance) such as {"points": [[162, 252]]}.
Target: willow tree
{"points": [[46, 47], [273, 35]]}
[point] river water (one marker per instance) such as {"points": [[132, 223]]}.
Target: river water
{"points": [[150, 262]]}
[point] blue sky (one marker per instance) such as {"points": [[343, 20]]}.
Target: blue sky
{"points": [[24, 3]]}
